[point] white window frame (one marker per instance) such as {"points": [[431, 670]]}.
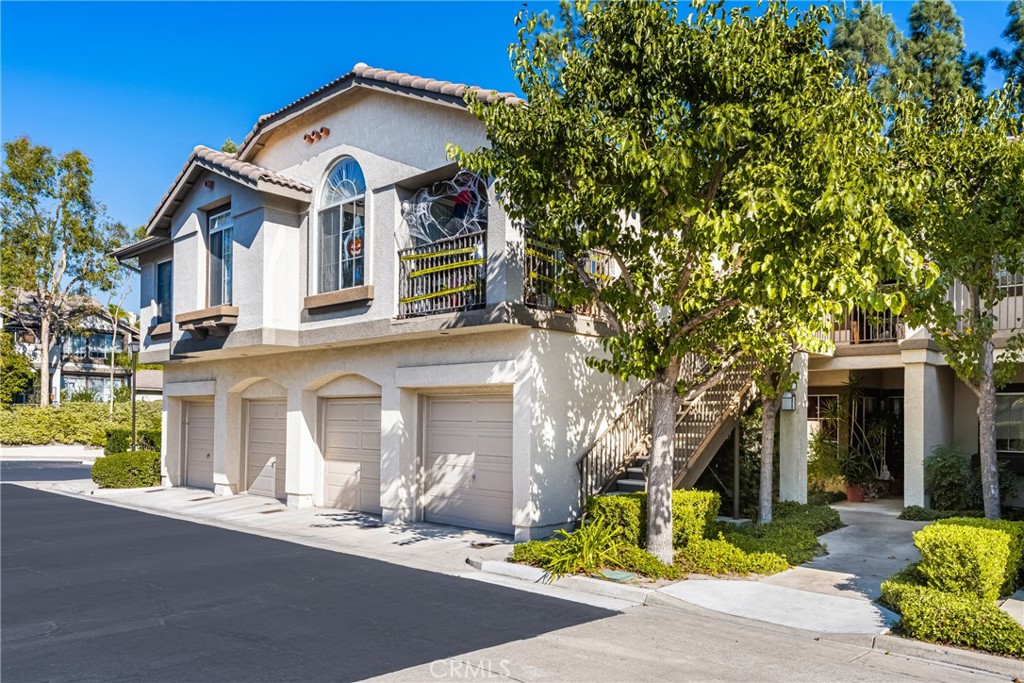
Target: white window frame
{"points": [[320, 209], [156, 292], [213, 227], [1016, 395]]}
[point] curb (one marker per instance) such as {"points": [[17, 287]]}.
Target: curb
{"points": [[582, 584], [1003, 666]]}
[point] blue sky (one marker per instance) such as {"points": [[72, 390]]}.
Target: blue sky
{"points": [[136, 85]]}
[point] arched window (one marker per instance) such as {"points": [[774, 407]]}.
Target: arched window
{"points": [[341, 229]]}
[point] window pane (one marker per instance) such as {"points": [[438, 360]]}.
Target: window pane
{"points": [[344, 182], [352, 235], [330, 234], [227, 251], [220, 229], [164, 291], [1010, 422], [216, 269]]}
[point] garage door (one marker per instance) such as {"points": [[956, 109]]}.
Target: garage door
{"points": [[468, 462], [199, 445], [352, 454], [265, 461]]}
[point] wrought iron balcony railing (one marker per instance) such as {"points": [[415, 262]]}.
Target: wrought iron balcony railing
{"points": [[443, 277]]}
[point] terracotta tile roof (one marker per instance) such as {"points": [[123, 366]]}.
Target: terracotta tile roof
{"points": [[226, 164], [368, 75]]}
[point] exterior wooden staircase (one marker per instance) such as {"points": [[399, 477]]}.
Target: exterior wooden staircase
{"points": [[617, 461]]}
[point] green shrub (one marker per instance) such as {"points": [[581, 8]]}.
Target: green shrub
{"points": [[578, 548], [793, 543], [963, 560], [127, 470], [955, 485], [718, 556], [692, 512], [84, 423], [819, 519], [916, 513], [939, 617], [1013, 574], [119, 440]]}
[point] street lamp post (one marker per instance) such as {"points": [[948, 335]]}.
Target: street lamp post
{"points": [[133, 346]]}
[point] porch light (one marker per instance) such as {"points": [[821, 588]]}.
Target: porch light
{"points": [[789, 401]]}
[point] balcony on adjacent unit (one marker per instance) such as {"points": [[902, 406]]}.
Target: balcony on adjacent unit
{"points": [[864, 327], [544, 263]]}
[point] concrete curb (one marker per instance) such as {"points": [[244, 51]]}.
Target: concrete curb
{"points": [[582, 584], [1003, 666]]}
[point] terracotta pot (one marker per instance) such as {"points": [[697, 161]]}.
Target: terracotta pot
{"points": [[855, 494]]}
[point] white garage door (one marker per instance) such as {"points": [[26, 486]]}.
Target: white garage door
{"points": [[468, 462], [199, 445], [265, 459], [352, 454]]}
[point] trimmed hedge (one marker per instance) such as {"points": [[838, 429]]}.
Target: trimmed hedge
{"points": [[127, 470], [719, 556], [933, 615], [792, 534], [963, 560], [1013, 574], [83, 423], [119, 440], [692, 512], [916, 513]]}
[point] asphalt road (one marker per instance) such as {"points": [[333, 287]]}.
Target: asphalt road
{"points": [[92, 592], [15, 470]]}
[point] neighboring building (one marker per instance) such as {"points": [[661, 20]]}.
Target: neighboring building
{"points": [[347, 320], [149, 384], [81, 359]]}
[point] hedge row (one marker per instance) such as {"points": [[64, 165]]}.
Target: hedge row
{"points": [[119, 440], [82, 423], [130, 470], [692, 512]]}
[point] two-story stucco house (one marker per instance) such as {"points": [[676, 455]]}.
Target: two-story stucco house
{"points": [[346, 320]]}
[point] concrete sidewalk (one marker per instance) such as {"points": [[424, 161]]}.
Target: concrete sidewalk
{"points": [[53, 452]]}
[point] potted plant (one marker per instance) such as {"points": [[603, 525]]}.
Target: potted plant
{"points": [[858, 472]]}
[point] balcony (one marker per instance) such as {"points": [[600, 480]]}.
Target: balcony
{"points": [[544, 264], [445, 276], [862, 327]]}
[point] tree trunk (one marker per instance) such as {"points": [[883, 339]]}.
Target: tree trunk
{"points": [[44, 359], [769, 410], [987, 432], [665, 407]]}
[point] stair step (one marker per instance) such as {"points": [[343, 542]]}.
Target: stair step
{"points": [[631, 485], [636, 473]]}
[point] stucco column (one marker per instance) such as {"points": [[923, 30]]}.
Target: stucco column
{"points": [[301, 449], [793, 439], [399, 484], [927, 416], [225, 462], [170, 442], [527, 478]]}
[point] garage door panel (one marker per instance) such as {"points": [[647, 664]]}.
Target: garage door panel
{"points": [[352, 454], [199, 445], [265, 449], [468, 462]]}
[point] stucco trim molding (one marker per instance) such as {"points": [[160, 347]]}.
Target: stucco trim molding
{"points": [[216, 320], [456, 375], [200, 388], [352, 297], [161, 330]]}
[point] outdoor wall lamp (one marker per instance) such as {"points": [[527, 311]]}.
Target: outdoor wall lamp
{"points": [[789, 401]]}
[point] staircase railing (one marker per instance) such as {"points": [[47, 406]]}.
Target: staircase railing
{"points": [[625, 439], [701, 419]]}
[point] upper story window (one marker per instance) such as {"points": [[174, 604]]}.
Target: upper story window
{"points": [[341, 231], [164, 291], [220, 229]]}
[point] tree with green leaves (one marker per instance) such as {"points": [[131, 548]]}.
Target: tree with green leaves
{"points": [[967, 155], [866, 40], [932, 62], [55, 245], [229, 146], [1011, 61], [718, 160], [16, 374]]}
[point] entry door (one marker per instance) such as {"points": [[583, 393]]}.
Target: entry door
{"points": [[265, 448], [468, 462], [352, 454], [199, 445]]}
